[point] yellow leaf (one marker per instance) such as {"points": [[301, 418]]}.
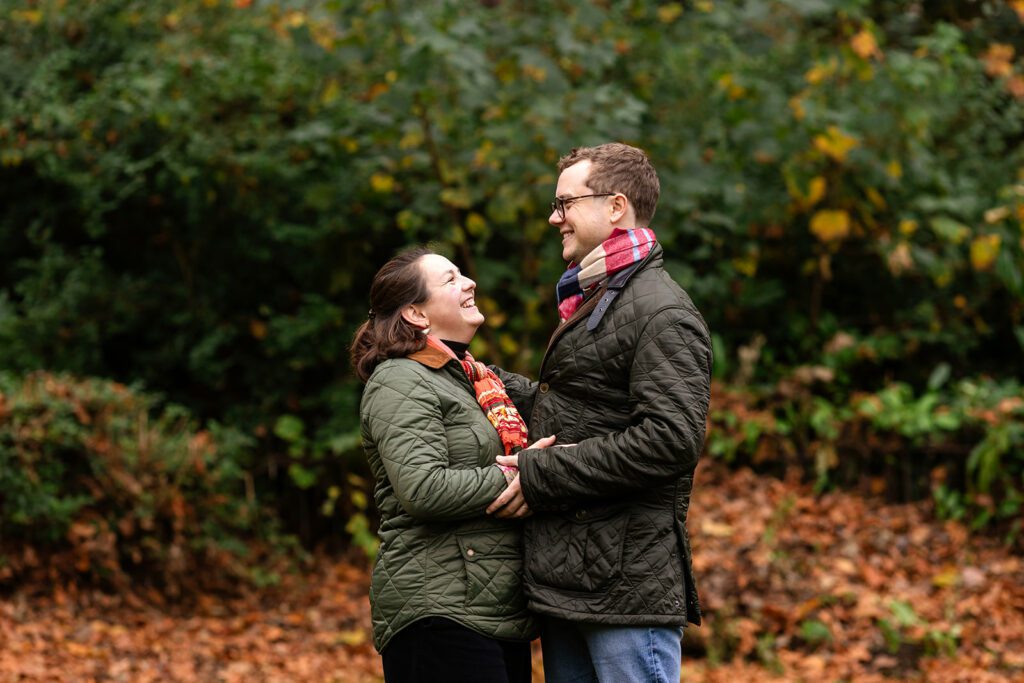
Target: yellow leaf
{"points": [[1018, 7], [407, 220], [984, 250], [535, 73], [747, 265], [294, 19], [330, 93], [865, 45], [998, 60], [29, 16], [482, 153], [457, 197], [835, 143], [728, 83], [382, 182], [475, 224], [353, 637], [816, 190], [960, 301], [796, 105], [894, 170], [670, 12], [820, 71], [946, 578], [908, 227], [830, 225], [412, 139], [875, 198]]}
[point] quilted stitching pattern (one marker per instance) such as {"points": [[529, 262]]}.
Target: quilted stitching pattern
{"points": [[431, 450], [633, 394]]}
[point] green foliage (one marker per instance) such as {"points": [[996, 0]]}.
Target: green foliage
{"points": [[195, 194], [976, 425], [907, 628], [108, 486]]}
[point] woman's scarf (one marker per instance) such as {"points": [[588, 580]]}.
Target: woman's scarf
{"points": [[622, 249], [493, 399]]}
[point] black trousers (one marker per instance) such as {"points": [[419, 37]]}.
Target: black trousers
{"points": [[440, 650]]}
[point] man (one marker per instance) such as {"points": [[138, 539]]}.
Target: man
{"points": [[625, 386]]}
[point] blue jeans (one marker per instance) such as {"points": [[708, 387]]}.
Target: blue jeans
{"points": [[598, 653]]}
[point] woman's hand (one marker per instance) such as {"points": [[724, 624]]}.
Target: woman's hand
{"points": [[511, 504]]}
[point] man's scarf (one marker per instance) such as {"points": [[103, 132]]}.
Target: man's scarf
{"points": [[493, 399], [622, 249]]}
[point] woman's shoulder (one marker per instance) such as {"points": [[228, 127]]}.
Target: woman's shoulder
{"points": [[399, 374]]}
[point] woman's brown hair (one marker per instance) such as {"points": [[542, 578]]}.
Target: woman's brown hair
{"points": [[386, 334]]}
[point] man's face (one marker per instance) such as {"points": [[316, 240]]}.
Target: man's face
{"points": [[586, 223]]}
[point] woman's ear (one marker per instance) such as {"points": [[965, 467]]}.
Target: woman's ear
{"points": [[415, 317]]}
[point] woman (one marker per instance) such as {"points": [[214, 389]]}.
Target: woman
{"points": [[445, 592]]}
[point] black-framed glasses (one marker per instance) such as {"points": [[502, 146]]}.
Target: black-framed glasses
{"points": [[561, 205]]}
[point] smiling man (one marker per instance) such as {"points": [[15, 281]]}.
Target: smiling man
{"points": [[625, 386]]}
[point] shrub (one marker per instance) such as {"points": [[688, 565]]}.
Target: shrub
{"points": [[100, 482]]}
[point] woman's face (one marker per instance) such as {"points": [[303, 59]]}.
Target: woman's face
{"points": [[450, 308]]}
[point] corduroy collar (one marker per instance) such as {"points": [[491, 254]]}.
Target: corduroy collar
{"points": [[434, 355]]}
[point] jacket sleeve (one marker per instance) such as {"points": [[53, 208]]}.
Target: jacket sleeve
{"points": [[522, 391], [402, 415], [669, 395]]}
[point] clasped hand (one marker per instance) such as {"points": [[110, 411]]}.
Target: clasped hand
{"points": [[511, 504]]}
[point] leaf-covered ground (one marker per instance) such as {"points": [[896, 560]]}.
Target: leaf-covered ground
{"points": [[796, 587]]}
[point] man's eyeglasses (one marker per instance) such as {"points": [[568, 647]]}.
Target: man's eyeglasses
{"points": [[562, 205]]}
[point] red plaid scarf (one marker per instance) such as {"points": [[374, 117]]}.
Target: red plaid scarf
{"points": [[491, 395], [622, 249]]}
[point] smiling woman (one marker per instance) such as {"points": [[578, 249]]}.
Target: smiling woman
{"points": [[446, 599], [450, 311]]}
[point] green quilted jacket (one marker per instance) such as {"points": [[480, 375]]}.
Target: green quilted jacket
{"points": [[628, 379], [432, 450]]}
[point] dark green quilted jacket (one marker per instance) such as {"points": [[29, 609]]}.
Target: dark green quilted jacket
{"points": [[432, 450], [627, 379]]}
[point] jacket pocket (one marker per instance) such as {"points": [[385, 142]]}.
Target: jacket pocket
{"points": [[494, 565], [579, 552]]}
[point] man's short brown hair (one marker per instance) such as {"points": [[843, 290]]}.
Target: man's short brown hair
{"points": [[616, 167]]}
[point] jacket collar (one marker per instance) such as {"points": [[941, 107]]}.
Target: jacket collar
{"points": [[434, 355]]}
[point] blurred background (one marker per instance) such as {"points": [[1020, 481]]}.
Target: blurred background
{"points": [[195, 195]]}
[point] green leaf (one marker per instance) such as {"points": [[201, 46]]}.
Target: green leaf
{"points": [[302, 477], [289, 428]]}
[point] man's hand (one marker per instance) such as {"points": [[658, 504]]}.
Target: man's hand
{"points": [[511, 504]]}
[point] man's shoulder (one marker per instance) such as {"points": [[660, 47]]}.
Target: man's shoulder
{"points": [[653, 288]]}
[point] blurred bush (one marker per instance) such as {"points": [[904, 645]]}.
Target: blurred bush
{"points": [[195, 194], [100, 484]]}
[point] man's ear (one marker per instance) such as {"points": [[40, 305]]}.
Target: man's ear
{"points": [[415, 317], [619, 206]]}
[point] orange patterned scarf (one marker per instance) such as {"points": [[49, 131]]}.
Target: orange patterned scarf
{"points": [[502, 413], [492, 397]]}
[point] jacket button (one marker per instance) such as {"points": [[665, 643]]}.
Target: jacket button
{"points": [[543, 387], [470, 552], [581, 515]]}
